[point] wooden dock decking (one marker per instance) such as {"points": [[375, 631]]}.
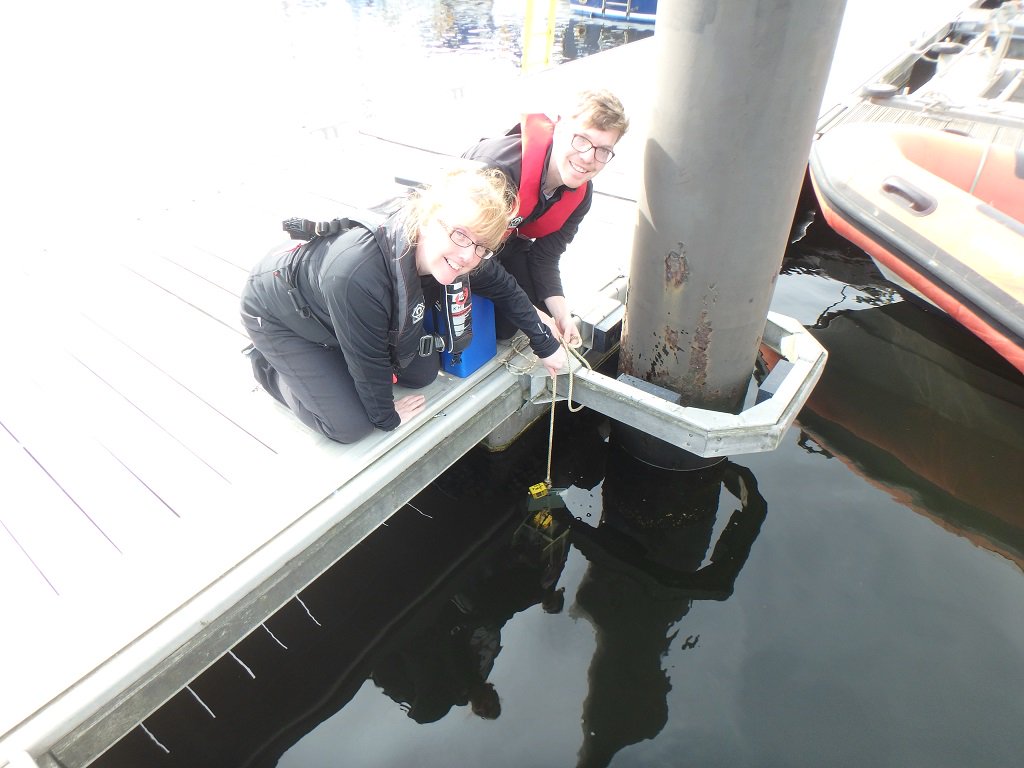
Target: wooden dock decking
{"points": [[155, 506]]}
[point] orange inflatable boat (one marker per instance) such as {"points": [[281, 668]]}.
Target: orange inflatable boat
{"points": [[940, 213]]}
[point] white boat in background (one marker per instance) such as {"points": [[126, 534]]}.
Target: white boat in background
{"points": [[632, 11]]}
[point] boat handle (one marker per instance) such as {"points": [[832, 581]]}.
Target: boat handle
{"points": [[909, 196]]}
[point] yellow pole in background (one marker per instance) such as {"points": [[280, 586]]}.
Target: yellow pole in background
{"points": [[538, 36]]}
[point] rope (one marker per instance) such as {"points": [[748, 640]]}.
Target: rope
{"points": [[554, 382], [551, 435], [519, 345], [575, 353]]}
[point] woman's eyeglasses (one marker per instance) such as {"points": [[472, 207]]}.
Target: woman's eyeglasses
{"points": [[463, 240]]}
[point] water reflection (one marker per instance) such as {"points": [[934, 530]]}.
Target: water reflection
{"points": [[441, 583], [584, 38], [943, 429], [648, 562], [446, 663], [651, 554]]}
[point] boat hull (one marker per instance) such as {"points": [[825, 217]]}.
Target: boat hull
{"points": [[939, 213]]}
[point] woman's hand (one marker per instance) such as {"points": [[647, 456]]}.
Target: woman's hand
{"points": [[409, 406], [555, 362]]}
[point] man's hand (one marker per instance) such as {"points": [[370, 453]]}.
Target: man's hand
{"points": [[568, 332], [409, 406], [562, 319]]}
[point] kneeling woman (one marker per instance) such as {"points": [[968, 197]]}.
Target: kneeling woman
{"points": [[337, 320]]}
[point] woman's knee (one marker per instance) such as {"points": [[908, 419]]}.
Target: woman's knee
{"points": [[417, 381], [340, 424], [420, 372], [346, 433]]}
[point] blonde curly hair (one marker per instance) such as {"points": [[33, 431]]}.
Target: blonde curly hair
{"points": [[495, 200]]}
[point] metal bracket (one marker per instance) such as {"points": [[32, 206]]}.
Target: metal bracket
{"points": [[712, 433]]}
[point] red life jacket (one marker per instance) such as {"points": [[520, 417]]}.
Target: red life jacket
{"points": [[537, 131]]}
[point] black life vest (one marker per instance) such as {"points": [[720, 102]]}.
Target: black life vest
{"points": [[408, 303]]}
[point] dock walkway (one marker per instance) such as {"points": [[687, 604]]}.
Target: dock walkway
{"points": [[156, 506]]}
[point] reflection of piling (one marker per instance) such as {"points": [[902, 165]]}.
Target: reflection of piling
{"points": [[648, 560], [645, 499], [659, 525], [737, 94]]}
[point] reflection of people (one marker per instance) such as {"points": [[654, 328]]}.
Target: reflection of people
{"points": [[443, 666], [335, 321], [553, 164], [447, 662]]}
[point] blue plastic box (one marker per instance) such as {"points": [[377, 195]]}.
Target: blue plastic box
{"points": [[482, 347]]}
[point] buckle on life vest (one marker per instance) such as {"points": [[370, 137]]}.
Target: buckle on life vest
{"points": [[298, 229], [304, 229], [429, 344]]}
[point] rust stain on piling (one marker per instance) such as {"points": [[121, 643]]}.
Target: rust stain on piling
{"points": [[677, 270], [671, 340], [626, 362], [699, 351], [665, 350]]}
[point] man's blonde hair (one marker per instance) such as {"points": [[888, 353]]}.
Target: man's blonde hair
{"points": [[489, 192], [600, 109]]}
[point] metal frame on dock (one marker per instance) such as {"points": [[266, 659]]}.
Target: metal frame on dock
{"points": [[703, 432]]}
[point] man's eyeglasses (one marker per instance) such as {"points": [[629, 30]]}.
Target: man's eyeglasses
{"points": [[583, 145], [463, 240]]}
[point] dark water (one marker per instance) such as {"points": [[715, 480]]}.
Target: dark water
{"points": [[853, 598]]}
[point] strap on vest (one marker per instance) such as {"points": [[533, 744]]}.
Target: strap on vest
{"points": [[304, 229]]}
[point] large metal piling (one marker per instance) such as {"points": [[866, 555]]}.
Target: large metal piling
{"points": [[738, 87]]}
